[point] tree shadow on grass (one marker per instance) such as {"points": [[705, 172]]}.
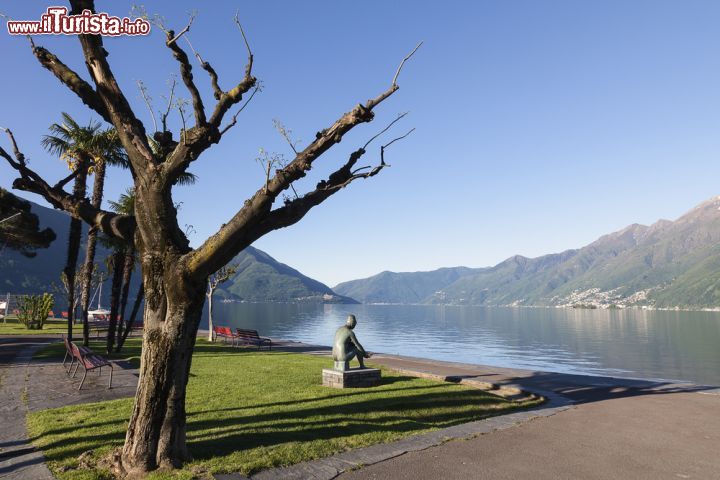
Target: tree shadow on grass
{"points": [[229, 410], [242, 429], [405, 414]]}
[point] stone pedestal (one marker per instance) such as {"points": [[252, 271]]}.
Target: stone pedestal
{"points": [[355, 378]]}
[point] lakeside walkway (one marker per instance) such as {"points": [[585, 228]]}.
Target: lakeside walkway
{"points": [[594, 427]]}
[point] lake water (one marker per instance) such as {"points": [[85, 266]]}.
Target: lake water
{"points": [[680, 346]]}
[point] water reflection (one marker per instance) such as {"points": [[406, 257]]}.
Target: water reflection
{"points": [[682, 346]]}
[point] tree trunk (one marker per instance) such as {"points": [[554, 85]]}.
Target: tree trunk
{"points": [[74, 238], [210, 319], [133, 314], [117, 269], [127, 276], [156, 432], [98, 187]]}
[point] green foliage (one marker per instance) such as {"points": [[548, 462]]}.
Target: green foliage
{"points": [[70, 141], [34, 310], [250, 410]]}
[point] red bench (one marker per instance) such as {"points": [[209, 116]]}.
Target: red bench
{"points": [[89, 361], [225, 333], [251, 337]]}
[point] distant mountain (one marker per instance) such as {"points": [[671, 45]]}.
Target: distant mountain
{"points": [[391, 287], [261, 278], [668, 264], [22, 275]]}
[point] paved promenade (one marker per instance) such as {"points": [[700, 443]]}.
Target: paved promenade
{"points": [[592, 428], [616, 429]]}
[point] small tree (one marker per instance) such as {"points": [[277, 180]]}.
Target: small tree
{"points": [[34, 310], [214, 281]]}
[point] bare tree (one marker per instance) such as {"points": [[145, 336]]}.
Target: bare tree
{"points": [[214, 281], [174, 274]]}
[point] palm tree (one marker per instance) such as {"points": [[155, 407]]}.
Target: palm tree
{"points": [[103, 147], [125, 205], [74, 144], [108, 152]]}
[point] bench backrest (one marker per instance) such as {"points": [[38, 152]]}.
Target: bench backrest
{"points": [[75, 350], [223, 331], [247, 333]]}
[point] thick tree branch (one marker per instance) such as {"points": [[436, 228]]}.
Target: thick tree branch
{"points": [[72, 80], [120, 226], [256, 219], [130, 129]]}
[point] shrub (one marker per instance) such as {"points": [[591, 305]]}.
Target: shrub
{"points": [[34, 310]]}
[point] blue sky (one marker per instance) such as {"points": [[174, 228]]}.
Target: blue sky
{"points": [[541, 125]]}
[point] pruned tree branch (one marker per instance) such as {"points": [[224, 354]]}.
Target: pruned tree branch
{"points": [[242, 107], [407, 57], [146, 97], [217, 91], [294, 210], [186, 72], [399, 117], [169, 105], [234, 96], [120, 226], [183, 31], [286, 134]]}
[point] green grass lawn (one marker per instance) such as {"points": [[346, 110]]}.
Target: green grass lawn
{"points": [[12, 326], [250, 410]]}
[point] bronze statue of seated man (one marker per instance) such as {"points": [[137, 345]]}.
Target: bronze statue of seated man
{"points": [[346, 346]]}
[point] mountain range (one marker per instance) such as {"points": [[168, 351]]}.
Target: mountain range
{"points": [[259, 277], [667, 264]]}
